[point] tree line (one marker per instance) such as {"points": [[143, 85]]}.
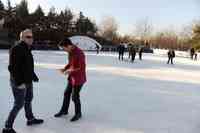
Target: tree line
{"points": [[50, 26], [53, 26]]}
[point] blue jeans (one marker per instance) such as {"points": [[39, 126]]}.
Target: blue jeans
{"points": [[22, 98]]}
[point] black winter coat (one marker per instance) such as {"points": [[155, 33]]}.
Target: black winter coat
{"points": [[21, 64]]}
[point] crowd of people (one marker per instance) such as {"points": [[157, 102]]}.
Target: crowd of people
{"points": [[132, 50]]}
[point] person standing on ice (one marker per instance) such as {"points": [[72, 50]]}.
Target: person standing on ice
{"points": [[140, 53], [195, 56], [97, 48], [21, 68], [76, 71], [132, 53], [171, 56], [129, 50], [121, 50], [192, 52]]}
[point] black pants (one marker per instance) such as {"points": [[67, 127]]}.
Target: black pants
{"points": [[22, 97], [132, 57], [140, 56], [97, 51], [129, 55], [121, 56], [170, 59], [75, 93]]}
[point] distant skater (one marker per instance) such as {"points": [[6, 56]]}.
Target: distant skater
{"points": [[171, 56], [121, 50]]}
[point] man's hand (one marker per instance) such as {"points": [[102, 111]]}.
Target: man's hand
{"points": [[22, 86], [68, 71], [35, 78], [61, 70]]}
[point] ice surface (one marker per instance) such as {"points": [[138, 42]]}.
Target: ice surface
{"points": [[146, 96]]}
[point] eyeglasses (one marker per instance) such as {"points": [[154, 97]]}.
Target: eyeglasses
{"points": [[29, 37]]}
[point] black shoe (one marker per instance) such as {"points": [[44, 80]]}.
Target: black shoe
{"points": [[76, 117], [34, 122], [8, 130], [59, 114]]}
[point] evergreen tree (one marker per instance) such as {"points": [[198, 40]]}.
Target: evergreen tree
{"points": [[65, 19], [1, 6], [9, 7], [85, 26], [39, 13], [52, 12], [22, 9], [80, 24]]}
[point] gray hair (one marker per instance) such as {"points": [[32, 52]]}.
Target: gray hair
{"points": [[24, 32]]}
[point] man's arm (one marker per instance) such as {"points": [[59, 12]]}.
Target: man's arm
{"points": [[16, 65], [35, 77], [66, 67]]}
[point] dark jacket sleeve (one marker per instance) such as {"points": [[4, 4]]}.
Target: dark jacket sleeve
{"points": [[35, 77], [67, 66], [16, 65]]}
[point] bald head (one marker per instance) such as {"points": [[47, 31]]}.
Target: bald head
{"points": [[27, 36]]}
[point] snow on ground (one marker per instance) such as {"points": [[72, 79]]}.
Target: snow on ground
{"points": [[146, 96]]}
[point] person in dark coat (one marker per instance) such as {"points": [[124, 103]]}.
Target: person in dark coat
{"points": [[140, 53], [129, 50], [21, 68], [171, 56], [121, 50], [132, 53], [195, 56], [76, 71], [97, 48], [192, 52]]}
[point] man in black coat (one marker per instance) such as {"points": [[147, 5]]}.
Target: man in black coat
{"points": [[171, 56], [133, 53], [192, 52], [21, 68], [121, 50], [140, 53]]}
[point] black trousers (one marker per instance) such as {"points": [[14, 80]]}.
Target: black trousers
{"points": [[73, 92], [140, 56], [22, 98], [132, 57], [121, 56], [170, 59]]}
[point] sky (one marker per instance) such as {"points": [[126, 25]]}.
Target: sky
{"points": [[162, 14]]}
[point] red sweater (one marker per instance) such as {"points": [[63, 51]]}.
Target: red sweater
{"points": [[77, 63]]}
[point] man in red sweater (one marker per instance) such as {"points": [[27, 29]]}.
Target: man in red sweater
{"points": [[76, 71]]}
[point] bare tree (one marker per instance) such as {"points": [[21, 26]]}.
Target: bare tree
{"points": [[186, 32], [195, 41], [167, 38], [143, 29], [127, 38], [108, 28]]}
